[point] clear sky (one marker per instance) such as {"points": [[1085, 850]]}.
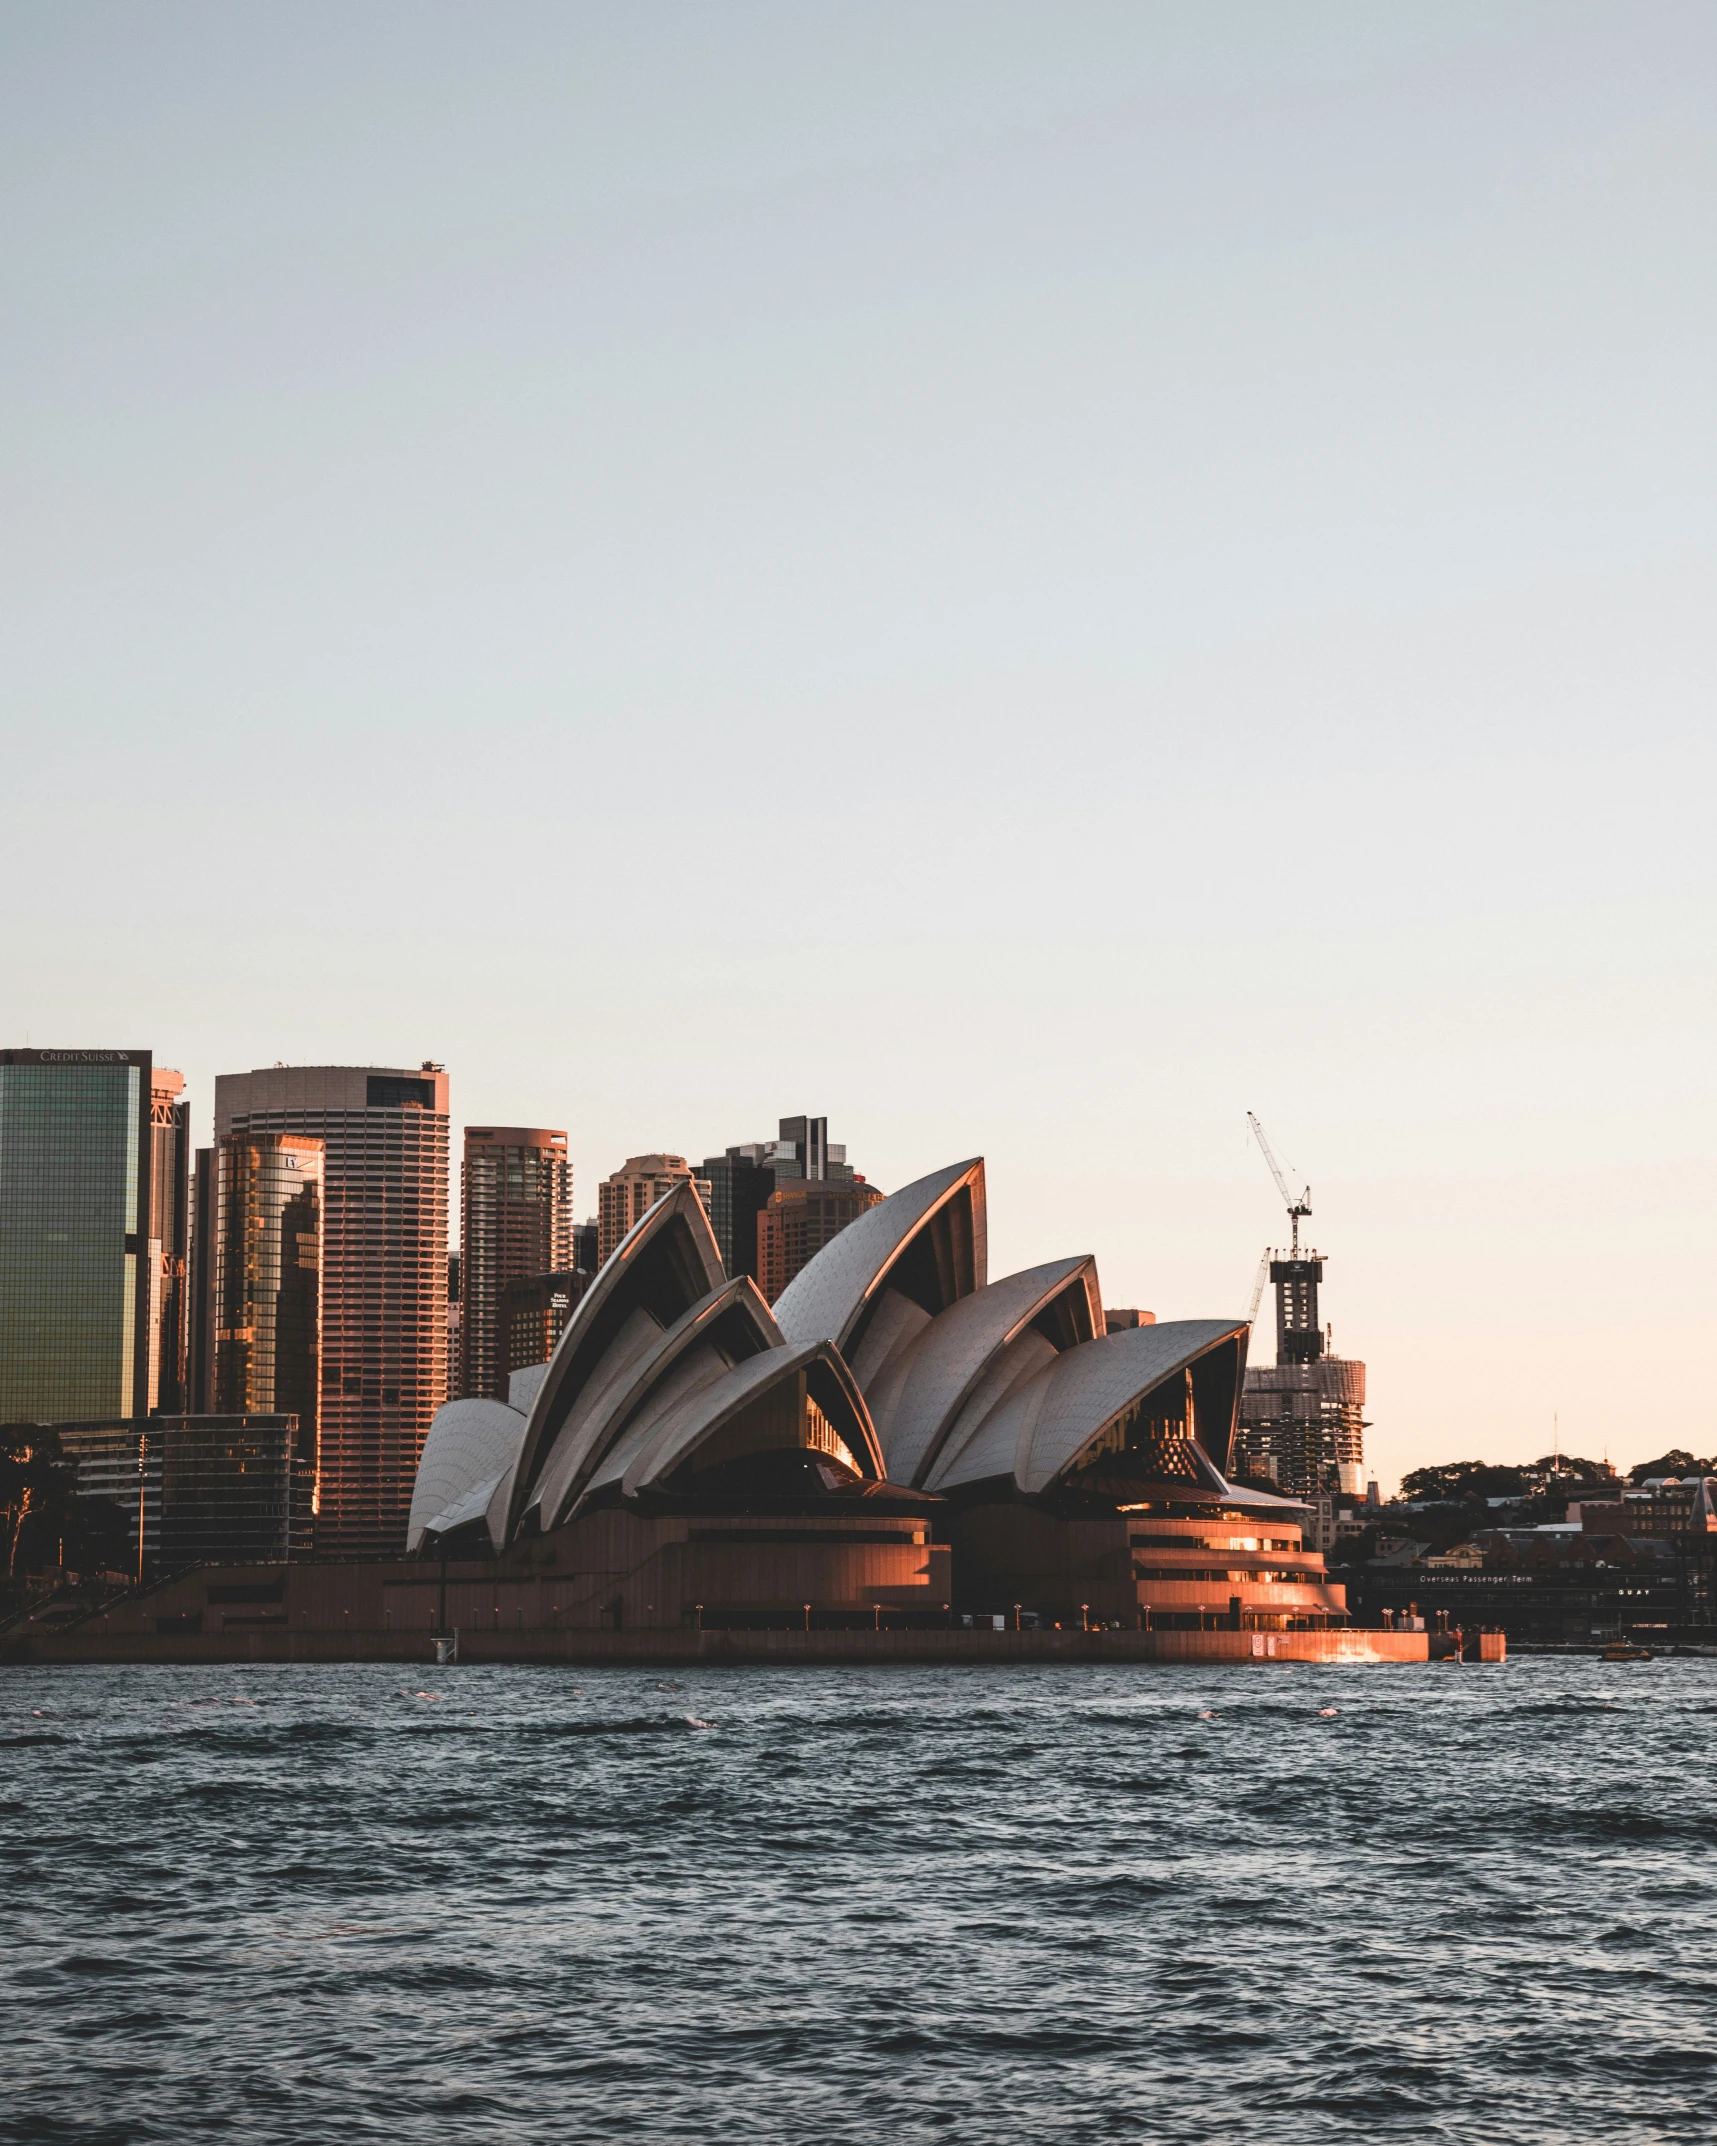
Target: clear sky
{"points": [[1026, 577]]}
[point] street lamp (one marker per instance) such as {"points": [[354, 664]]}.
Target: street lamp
{"points": [[1085, 1616], [807, 1616]]}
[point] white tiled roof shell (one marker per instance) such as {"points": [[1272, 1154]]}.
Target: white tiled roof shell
{"points": [[1043, 1425], [685, 1383], [701, 1415], [921, 1391], [472, 1444], [824, 1299], [681, 1206], [642, 1356]]}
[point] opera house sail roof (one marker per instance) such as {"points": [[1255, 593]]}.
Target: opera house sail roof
{"points": [[891, 1361], [889, 1273], [669, 1379]]}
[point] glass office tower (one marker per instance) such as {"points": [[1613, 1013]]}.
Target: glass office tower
{"points": [[265, 1325], [80, 1269]]}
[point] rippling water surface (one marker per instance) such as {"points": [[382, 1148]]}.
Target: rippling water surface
{"points": [[484, 1905]]}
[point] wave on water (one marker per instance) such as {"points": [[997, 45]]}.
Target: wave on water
{"points": [[1096, 1907]]}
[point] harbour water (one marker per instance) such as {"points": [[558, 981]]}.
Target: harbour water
{"points": [[502, 1906]]}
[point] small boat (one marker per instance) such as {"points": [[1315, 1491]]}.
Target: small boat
{"points": [[1621, 1651]]}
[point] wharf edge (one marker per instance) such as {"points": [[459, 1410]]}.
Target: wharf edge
{"points": [[662, 1648]]}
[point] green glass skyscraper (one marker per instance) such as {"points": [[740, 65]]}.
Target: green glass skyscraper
{"points": [[80, 1294]]}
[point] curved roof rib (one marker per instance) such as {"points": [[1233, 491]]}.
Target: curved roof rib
{"points": [[667, 1262], [918, 1398], [643, 1373], [725, 1416], [1043, 1427], [471, 1448], [922, 1248]]}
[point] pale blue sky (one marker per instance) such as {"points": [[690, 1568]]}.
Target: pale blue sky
{"points": [[1026, 577]]}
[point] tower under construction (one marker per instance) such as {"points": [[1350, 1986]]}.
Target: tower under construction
{"points": [[1302, 1419]]}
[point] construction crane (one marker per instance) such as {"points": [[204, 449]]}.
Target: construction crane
{"points": [[1297, 1205], [1258, 1288]]}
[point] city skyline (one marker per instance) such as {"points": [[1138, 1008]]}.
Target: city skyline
{"points": [[1108, 603], [1380, 1462], [1240, 476]]}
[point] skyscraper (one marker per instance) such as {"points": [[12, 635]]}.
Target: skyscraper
{"points": [[740, 1183], [534, 1314], [384, 1275], [802, 1216], [742, 1180], [200, 1285], [516, 1222], [92, 1235], [804, 1150], [266, 1319], [634, 1189], [1302, 1419], [169, 1239]]}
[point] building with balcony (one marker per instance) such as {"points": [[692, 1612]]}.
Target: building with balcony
{"points": [[515, 1221], [383, 1294], [626, 1197], [799, 1218]]}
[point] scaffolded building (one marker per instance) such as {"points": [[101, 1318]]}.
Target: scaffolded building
{"points": [[1302, 1419]]}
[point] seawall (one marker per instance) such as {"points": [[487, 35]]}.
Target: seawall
{"points": [[680, 1648]]}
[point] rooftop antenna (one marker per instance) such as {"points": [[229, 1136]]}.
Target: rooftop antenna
{"points": [[1297, 1205]]}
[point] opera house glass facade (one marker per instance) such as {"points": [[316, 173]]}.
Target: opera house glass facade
{"points": [[75, 1264], [897, 1432]]}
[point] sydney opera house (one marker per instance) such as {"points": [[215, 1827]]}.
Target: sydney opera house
{"points": [[899, 1434]]}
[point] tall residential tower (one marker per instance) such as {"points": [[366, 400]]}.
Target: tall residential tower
{"points": [[634, 1189], [516, 1224], [384, 1132]]}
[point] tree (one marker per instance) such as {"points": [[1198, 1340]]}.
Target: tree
{"points": [[1555, 1468], [1457, 1479], [36, 1482], [1674, 1462]]}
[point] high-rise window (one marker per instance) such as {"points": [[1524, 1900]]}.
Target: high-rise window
{"points": [[384, 1276], [266, 1313], [515, 1224], [81, 1299]]}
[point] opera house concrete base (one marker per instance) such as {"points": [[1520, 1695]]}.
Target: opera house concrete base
{"points": [[1184, 1560], [391, 1612]]}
